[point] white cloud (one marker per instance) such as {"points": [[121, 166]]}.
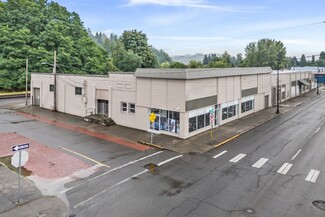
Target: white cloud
{"points": [[192, 4], [189, 38]]}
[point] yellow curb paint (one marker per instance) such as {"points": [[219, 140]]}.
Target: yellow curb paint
{"points": [[150, 144], [228, 140], [76, 153]]}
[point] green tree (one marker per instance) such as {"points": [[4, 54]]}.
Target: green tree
{"points": [[239, 60], [266, 52], [137, 42], [322, 55], [194, 64], [165, 65], [303, 61], [33, 29], [177, 65]]}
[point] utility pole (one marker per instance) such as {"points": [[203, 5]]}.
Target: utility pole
{"points": [[54, 74], [278, 92], [26, 80], [317, 78]]}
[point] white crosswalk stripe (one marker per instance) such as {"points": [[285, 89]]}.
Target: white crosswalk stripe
{"points": [[312, 176], [284, 168], [221, 153], [237, 158], [260, 162]]}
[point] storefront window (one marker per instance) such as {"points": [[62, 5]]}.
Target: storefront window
{"points": [[199, 118], [229, 109], [166, 120], [192, 124]]}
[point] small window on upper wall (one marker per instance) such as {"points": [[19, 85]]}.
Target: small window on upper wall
{"points": [[78, 91], [124, 107], [131, 107], [51, 87]]}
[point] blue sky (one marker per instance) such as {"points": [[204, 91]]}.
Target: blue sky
{"points": [[207, 26]]}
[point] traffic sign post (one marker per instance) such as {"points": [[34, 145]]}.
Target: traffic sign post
{"points": [[152, 119], [19, 148]]}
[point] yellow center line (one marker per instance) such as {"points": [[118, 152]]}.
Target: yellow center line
{"points": [[88, 158], [228, 140]]}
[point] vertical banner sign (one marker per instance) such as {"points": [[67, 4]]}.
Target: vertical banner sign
{"points": [[211, 121]]}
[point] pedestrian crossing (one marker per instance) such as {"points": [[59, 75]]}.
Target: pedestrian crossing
{"points": [[284, 169]]}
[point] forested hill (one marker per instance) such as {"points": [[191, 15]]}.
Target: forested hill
{"points": [[33, 29]]}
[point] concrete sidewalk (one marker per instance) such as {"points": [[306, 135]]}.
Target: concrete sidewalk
{"points": [[197, 144], [32, 202]]}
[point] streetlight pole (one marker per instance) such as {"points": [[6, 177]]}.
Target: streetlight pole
{"points": [[26, 81], [317, 77], [54, 89]]}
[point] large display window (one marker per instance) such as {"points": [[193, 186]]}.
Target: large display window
{"points": [[165, 120], [199, 118], [229, 109]]}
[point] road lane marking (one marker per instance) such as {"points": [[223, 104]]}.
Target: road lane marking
{"points": [[107, 189], [168, 160], [260, 163], [123, 181], [284, 168], [312, 176], [81, 155], [237, 158], [114, 169], [317, 130], [296, 154], [218, 155]]}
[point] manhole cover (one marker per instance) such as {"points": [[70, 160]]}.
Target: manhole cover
{"points": [[150, 166], [320, 204]]}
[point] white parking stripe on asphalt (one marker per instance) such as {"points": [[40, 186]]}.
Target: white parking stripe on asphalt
{"points": [[237, 158], [312, 176], [260, 162], [284, 168], [221, 153]]}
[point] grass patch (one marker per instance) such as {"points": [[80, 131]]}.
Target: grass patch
{"points": [[7, 162]]}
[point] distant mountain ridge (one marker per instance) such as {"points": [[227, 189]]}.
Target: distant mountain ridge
{"points": [[188, 57]]}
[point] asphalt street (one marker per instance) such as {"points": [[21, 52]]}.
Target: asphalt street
{"points": [[274, 170]]}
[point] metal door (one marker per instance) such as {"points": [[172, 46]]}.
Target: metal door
{"points": [[102, 107], [36, 96], [266, 102]]}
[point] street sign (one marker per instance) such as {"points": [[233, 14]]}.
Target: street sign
{"points": [[152, 117], [20, 147], [15, 159]]}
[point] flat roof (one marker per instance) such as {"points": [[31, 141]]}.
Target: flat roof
{"points": [[199, 73]]}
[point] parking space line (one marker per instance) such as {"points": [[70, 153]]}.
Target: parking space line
{"points": [[114, 169], [168, 160], [296, 155], [312, 176], [260, 163], [237, 158], [284, 168], [81, 155], [218, 155], [107, 189]]}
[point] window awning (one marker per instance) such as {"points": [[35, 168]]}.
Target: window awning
{"points": [[304, 82]]}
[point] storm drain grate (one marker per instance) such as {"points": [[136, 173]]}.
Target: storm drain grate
{"points": [[320, 204]]}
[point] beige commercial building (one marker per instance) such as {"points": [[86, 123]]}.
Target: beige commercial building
{"points": [[186, 102]]}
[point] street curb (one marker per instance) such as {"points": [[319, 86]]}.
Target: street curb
{"points": [[152, 145], [277, 115]]}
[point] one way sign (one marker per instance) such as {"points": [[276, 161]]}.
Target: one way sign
{"points": [[20, 147]]}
